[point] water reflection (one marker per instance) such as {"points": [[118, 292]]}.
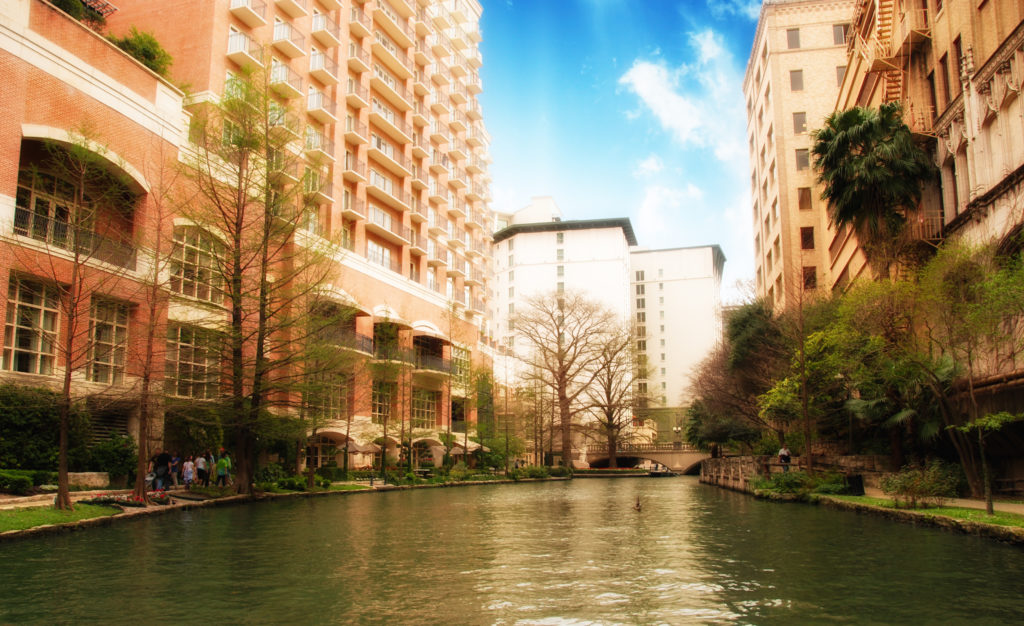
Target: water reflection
{"points": [[553, 553]]}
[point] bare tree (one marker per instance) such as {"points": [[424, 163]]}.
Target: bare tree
{"points": [[612, 396], [563, 333]]}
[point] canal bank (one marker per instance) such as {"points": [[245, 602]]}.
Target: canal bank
{"points": [[739, 474]]}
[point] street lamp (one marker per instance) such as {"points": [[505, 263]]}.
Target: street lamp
{"points": [[677, 443]]}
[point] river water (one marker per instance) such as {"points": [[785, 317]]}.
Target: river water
{"points": [[535, 553]]}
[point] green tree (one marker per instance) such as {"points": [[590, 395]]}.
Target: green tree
{"points": [[145, 48], [872, 174]]}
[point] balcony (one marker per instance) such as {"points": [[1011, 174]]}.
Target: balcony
{"points": [[323, 69], [475, 276], [320, 107], [438, 73], [419, 147], [476, 192], [419, 84], [326, 31], [384, 226], [353, 208], [457, 150], [391, 123], [294, 8], [477, 306], [439, 194], [385, 190], [914, 30], [347, 338], [355, 131], [441, 46], [318, 147], [419, 212], [475, 136], [393, 91], [437, 256], [388, 262], [288, 41], [456, 238], [439, 133], [390, 55], [473, 84], [422, 52], [457, 64], [475, 165], [319, 192], [419, 179], [457, 122], [419, 114], [284, 125], [356, 95], [457, 209], [478, 219], [358, 58], [385, 154], [439, 15], [473, 111], [417, 244], [431, 364], [243, 51], [439, 103], [438, 164], [456, 266], [359, 22], [457, 92], [437, 225], [252, 13], [474, 58], [396, 25], [331, 5], [353, 168]]}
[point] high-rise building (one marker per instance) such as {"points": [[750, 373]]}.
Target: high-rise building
{"points": [[380, 99], [796, 66], [956, 67]]}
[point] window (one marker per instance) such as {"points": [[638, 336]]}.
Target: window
{"points": [[510, 260], [30, 334], [958, 55], [511, 292], [195, 264], [662, 328], [641, 388], [44, 208], [460, 365], [559, 238], [511, 276], [641, 317], [108, 333], [661, 315], [661, 300], [839, 33], [804, 195], [944, 68], [662, 345], [793, 38], [561, 270], [641, 345], [810, 278], [803, 159], [840, 74], [560, 288], [329, 395], [424, 408], [807, 238], [796, 80], [641, 331], [661, 272], [511, 308], [800, 122], [560, 255], [376, 253], [380, 401], [663, 386], [661, 286], [640, 290], [639, 276], [192, 364], [641, 303], [662, 356]]}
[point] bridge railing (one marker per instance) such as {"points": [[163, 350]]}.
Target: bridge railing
{"points": [[643, 447]]}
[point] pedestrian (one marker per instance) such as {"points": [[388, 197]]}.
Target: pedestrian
{"points": [[202, 473], [163, 468], [175, 468], [223, 464], [188, 473], [785, 456]]}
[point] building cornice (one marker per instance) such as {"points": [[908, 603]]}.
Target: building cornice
{"points": [[545, 227]]}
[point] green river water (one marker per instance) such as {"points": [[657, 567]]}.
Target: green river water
{"points": [[537, 553]]}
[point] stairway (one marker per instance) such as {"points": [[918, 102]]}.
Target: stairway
{"points": [[893, 86]]}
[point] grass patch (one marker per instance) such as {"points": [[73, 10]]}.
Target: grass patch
{"points": [[20, 519], [349, 487], [972, 515]]}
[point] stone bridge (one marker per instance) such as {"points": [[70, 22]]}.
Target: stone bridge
{"points": [[678, 457]]}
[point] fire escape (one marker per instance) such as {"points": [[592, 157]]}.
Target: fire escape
{"points": [[886, 35]]}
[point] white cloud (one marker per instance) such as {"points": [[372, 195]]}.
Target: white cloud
{"points": [[662, 211], [745, 8], [648, 167]]}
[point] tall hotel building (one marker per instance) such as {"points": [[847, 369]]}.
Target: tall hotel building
{"points": [[796, 66], [386, 94]]}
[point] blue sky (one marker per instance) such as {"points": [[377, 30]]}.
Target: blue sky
{"points": [[624, 108]]}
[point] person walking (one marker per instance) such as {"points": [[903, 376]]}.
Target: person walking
{"points": [[175, 468], [202, 471], [188, 473], [223, 465], [163, 468], [785, 457]]}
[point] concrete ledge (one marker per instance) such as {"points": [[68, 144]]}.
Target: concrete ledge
{"points": [[96, 480]]}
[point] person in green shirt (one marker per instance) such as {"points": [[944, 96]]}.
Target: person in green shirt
{"points": [[223, 469]]}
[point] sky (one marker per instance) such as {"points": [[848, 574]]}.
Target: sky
{"points": [[625, 108]]}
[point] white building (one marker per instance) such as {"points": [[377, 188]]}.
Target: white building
{"points": [[677, 310]]}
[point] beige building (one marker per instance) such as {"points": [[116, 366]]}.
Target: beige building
{"points": [[797, 63], [957, 67]]}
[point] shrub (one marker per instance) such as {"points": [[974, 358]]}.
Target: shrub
{"points": [[929, 486], [332, 473], [116, 456], [293, 483], [560, 471], [16, 483], [537, 471], [146, 50], [30, 427], [271, 473]]}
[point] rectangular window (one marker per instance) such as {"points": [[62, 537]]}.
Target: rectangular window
{"points": [[560, 255], [192, 363], [807, 238], [944, 67], [30, 334], [661, 315], [796, 80], [793, 38], [641, 303], [839, 33], [840, 74], [559, 238], [561, 288], [329, 394], [803, 159], [641, 388], [810, 278], [639, 276], [641, 317], [661, 300], [511, 292], [561, 271], [424, 408], [804, 195], [662, 345], [108, 331], [381, 401], [640, 290], [799, 122], [195, 264], [958, 55]]}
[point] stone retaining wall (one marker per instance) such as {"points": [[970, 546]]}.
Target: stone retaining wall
{"points": [[735, 472], [94, 480]]}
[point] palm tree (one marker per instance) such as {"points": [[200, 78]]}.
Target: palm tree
{"points": [[872, 174]]}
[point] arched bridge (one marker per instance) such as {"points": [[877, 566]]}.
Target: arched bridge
{"points": [[678, 457]]}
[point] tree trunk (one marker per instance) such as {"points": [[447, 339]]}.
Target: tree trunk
{"points": [[63, 500], [613, 450], [566, 423]]}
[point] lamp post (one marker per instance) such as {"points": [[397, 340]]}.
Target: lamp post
{"points": [[677, 442]]}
